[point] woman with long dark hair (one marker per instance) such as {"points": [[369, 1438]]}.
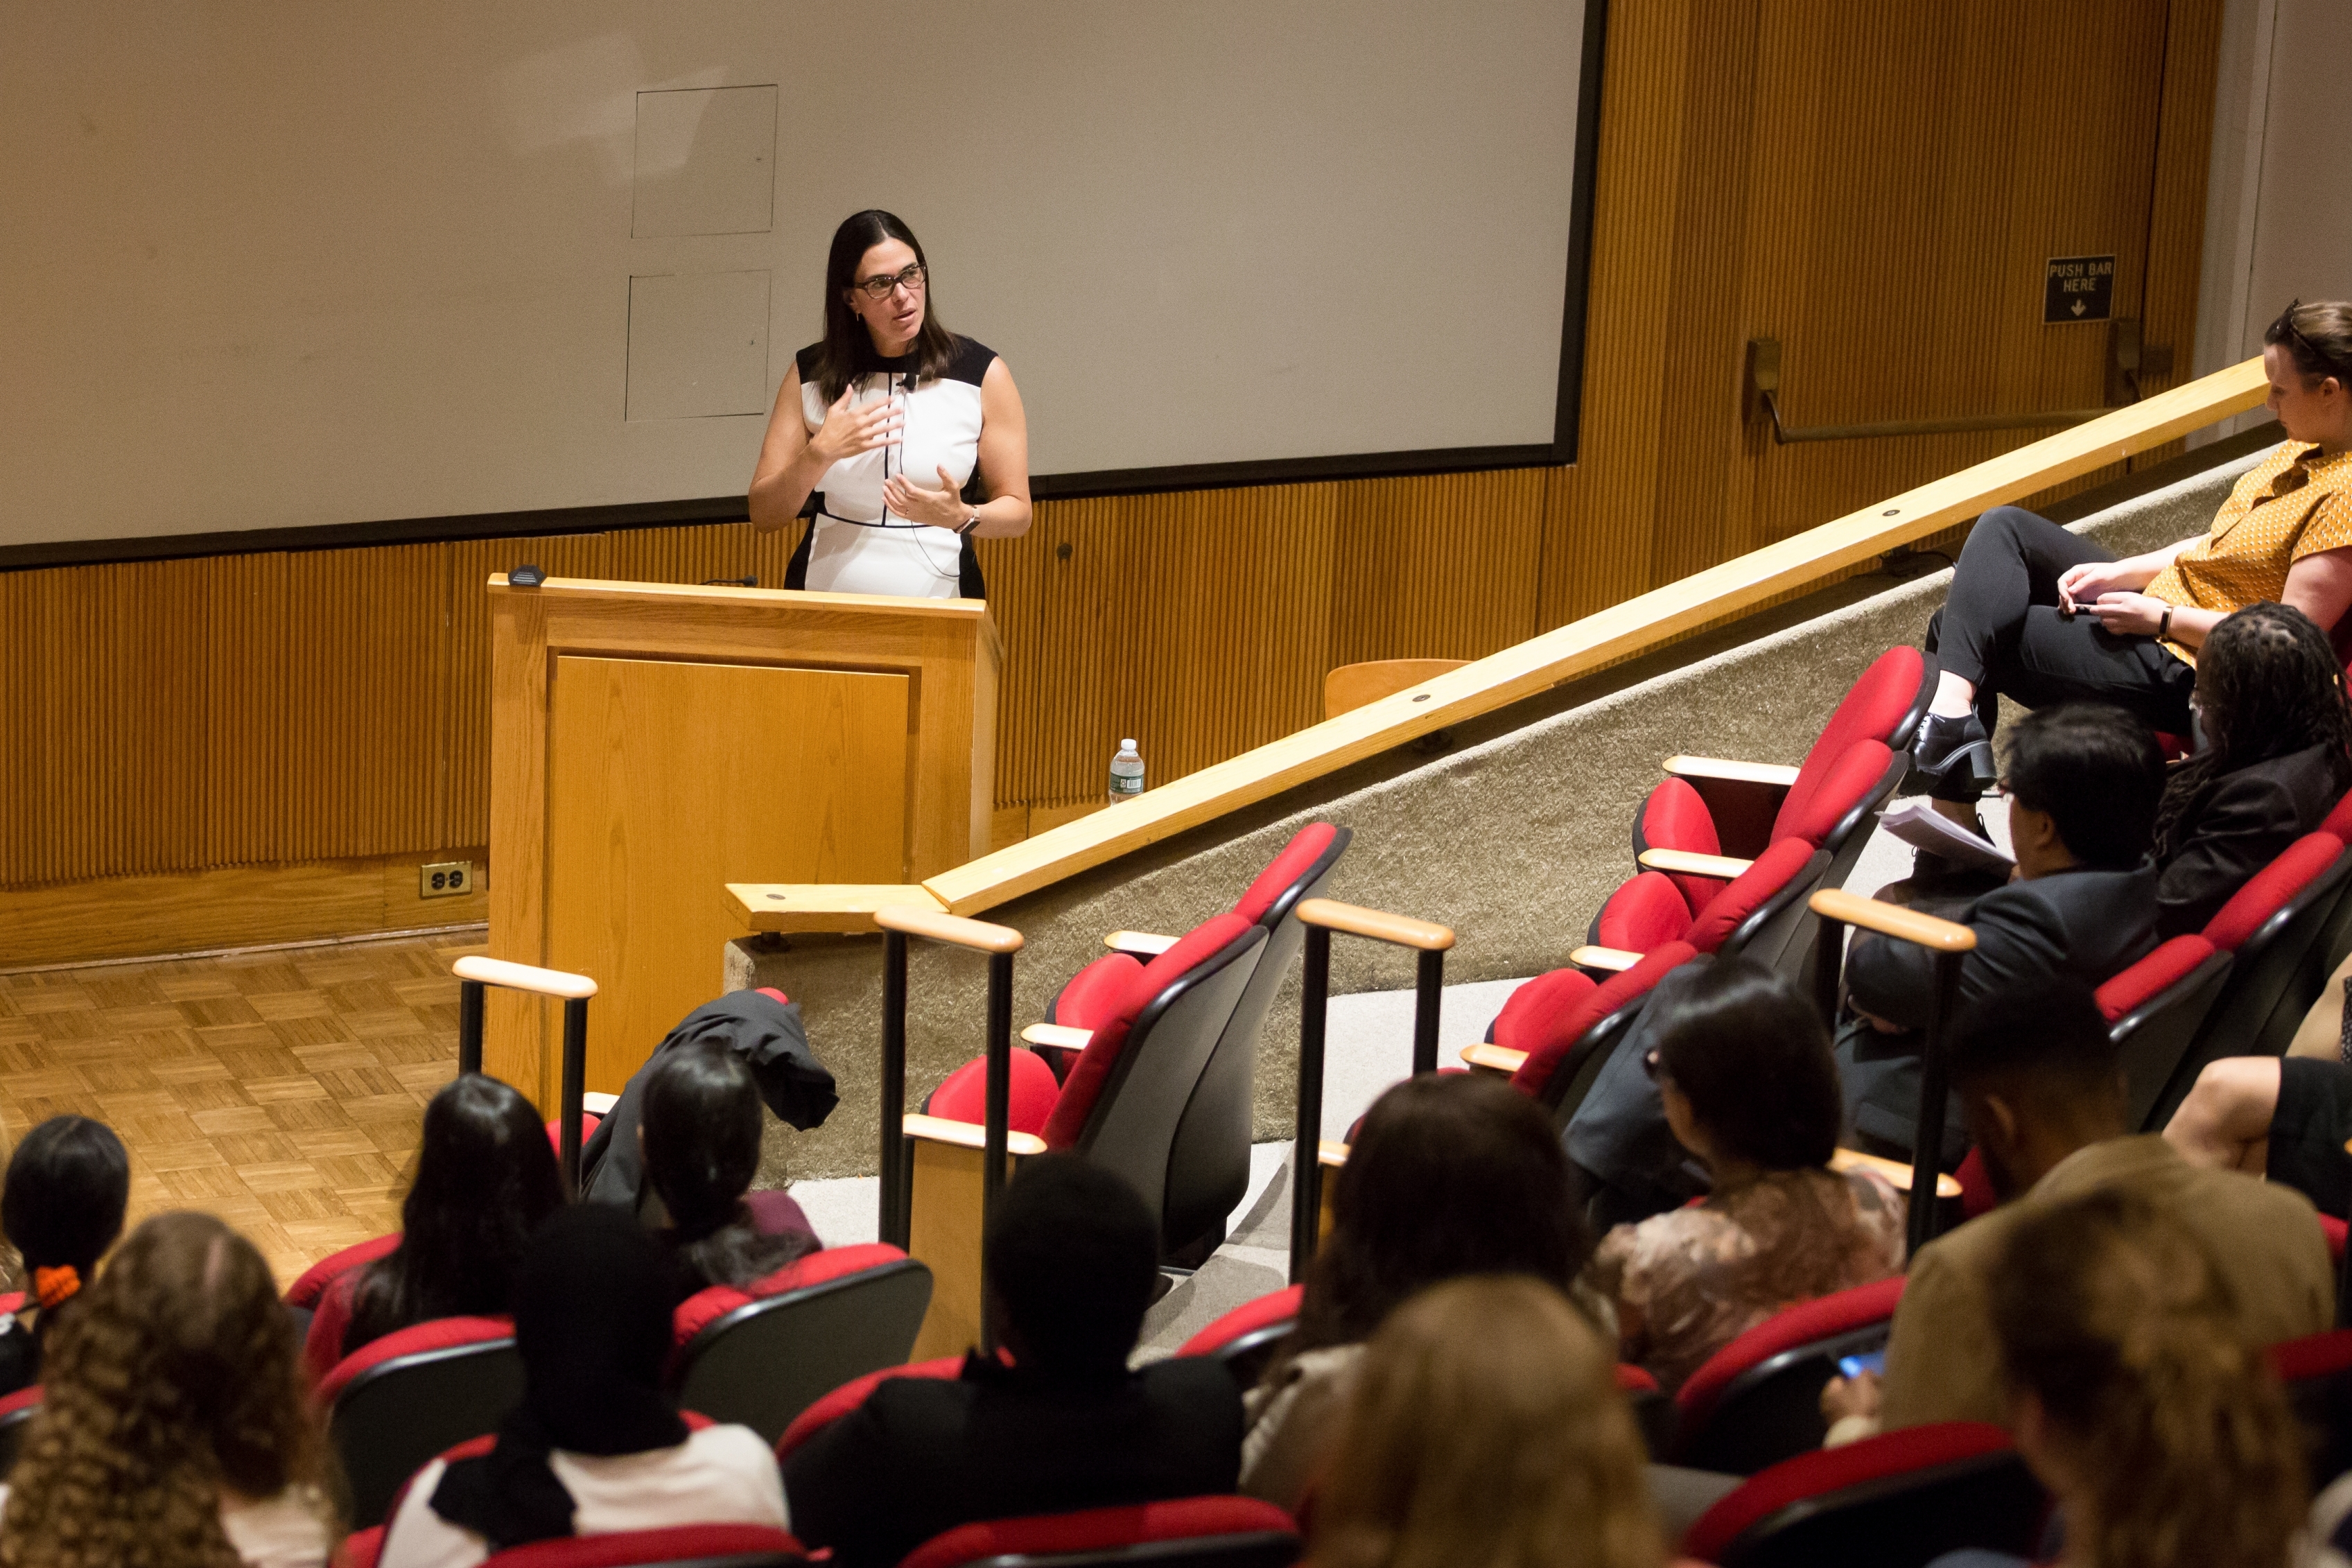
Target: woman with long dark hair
{"points": [[68, 1184], [1448, 1175], [701, 1140], [900, 440], [2043, 614], [485, 1178]]}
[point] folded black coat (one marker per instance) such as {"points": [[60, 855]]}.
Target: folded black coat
{"points": [[758, 1027]]}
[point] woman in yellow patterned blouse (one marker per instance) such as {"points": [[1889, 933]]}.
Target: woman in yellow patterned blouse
{"points": [[2046, 615]]}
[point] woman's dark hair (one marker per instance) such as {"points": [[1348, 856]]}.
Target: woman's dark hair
{"points": [[2318, 337], [847, 344], [485, 1179], [2097, 772], [1749, 1053], [2269, 684], [1448, 1175], [68, 1183], [702, 1124]]}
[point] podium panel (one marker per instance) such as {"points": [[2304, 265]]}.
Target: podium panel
{"points": [[656, 769]]}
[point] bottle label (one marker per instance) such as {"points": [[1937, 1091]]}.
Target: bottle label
{"points": [[1127, 783]]}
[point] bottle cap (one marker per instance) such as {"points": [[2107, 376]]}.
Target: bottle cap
{"points": [[1127, 745]]}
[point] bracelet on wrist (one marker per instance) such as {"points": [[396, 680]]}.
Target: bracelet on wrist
{"points": [[2163, 625], [969, 523]]}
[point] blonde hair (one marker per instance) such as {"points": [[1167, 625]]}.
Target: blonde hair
{"points": [[177, 1375], [1486, 1430], [2112, 1316]]}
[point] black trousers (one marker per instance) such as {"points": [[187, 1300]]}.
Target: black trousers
{"points": [[2000, 631]]}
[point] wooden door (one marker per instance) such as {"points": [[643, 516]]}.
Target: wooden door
{"points": [[658, 772]]}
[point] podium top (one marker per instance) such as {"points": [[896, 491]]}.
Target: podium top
{"points": [[734, 594]]}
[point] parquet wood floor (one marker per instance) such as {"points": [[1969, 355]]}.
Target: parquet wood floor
{"points": [[281, 1090]]}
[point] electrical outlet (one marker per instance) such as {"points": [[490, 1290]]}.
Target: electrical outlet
{"points": [[445, 879]]}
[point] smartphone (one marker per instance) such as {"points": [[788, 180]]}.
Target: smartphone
{"points": [[1855, 1365]]}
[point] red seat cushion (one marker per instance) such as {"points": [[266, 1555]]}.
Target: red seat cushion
{"points": [[1977, 1196], [2170, 963], [1825, 1471], [1816, 804], [1873, 707], [1632, 1379], [1770, 874], [2338, 819], [1838, 1313], [440, 1333], [312, 1282], [1098, 1529], [1646, 912], [1570, 1024], [1093, 1069], [1091, 998], [704, 1308], [964, 1095], [1674, 817], [2334, 1230], [1298, 858], [1278, 1306], [640, 1548], [331, 1322], [833, 1406], [2314, 1355], [588, 1125], [26, 1398], [2272, 889], [1531, 1012]]}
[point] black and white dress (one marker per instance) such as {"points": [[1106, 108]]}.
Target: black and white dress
{"points": [[855, 544]]}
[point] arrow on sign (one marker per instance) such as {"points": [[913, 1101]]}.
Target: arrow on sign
{"points": [[2079, 306]]}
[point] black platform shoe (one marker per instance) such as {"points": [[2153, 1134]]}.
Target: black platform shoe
{"points": [[1953, 758]]}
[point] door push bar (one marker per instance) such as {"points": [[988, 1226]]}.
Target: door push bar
{"points": [[1321, 917], [475, 977]]}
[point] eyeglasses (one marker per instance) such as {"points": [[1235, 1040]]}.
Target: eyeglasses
{"points": [[883, 287]]}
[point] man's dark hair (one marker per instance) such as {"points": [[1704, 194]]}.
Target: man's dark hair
{"points": [[1748, 1051], [2050, 1035], [1072, 1253], [2098, 773]]}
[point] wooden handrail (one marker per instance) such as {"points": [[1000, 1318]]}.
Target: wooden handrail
{"points": [[1402, 931], [978, 935], [524, 977], [1893, 919], [1635, 627]]}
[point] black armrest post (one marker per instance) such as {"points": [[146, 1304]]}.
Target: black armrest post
{"points": [[1829, 968], [1428, 984], [890, 1222], [470, 995], [574, 1084], [1928, 1132], [1305, 1162], [998, 1115]]}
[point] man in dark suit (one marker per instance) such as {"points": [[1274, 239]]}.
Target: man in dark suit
{"points": [[2083, 781], [1071, 1258]]}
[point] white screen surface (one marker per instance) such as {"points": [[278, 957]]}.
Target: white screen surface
{"points": [[275, 264]]}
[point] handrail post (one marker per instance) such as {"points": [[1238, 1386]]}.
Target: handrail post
{"points": [[1927, 1133], [892, 1217], [574, 1086], [1428, 986], [1306, 1164], [999, 1116], [475, 974], [471, 995], [1828, 966]]}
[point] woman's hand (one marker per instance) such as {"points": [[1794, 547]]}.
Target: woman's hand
{"points": [[941, 508], [2130, 614], [850, 431], [1855, 1396], [2081, 586]]}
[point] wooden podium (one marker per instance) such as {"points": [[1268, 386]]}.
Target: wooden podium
{"points": [[650, 743]]}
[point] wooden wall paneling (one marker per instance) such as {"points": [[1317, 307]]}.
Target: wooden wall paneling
{"points": [[1438, 567], [2176, 219], [1014, 569]]}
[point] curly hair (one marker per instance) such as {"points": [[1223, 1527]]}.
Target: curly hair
{"points": [[2268, 684], [178, 1378]]}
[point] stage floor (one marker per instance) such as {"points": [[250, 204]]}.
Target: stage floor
{"points": [[280, 1090]]}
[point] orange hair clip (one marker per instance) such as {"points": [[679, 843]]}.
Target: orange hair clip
{"points": [[51, 1285]]}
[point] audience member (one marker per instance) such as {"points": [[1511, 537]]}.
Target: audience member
{"points": [[485, 1179], [1486, 1427], [1449, 1175], [1750, 1089], [2046, 615], [2283, 1118], [700, 1137], [2084, 781], [1071, 1261], [67, 1186], [174, 1426], [2160, 1432], [2038, 1079], [596, 1446], [2277, 755]]}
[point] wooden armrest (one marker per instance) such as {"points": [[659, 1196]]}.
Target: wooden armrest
{"points": [[1057, 1036], [1898, 1174], [599, 1104], [1691, 863], [524, 977], [794, 907], [1771, 773], [940, 926], [1494, 1059], [1330, 1151], [968, 1134], [1141, 943], [1379, 924], [1893, 919], [1616, 957]]}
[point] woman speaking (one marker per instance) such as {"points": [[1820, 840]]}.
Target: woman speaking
{"points": [[881, 429]]}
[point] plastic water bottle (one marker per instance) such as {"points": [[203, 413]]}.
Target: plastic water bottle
{"points": [[1125, 772]]}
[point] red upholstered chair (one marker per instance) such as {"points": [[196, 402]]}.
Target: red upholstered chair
{"points": [[394, 1403], [326, 1289], [16, 1412], [2153, 1009], [312, 1282], [1757, 1401], [833, 1406], [1897, 1501], [1760, 913], [1185, 1532], [1555, 1032], [1245, 1338], [760, 1355], [2318, 1374]]}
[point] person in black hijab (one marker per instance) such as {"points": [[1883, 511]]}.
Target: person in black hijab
{"points": [[592, 1325]]}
